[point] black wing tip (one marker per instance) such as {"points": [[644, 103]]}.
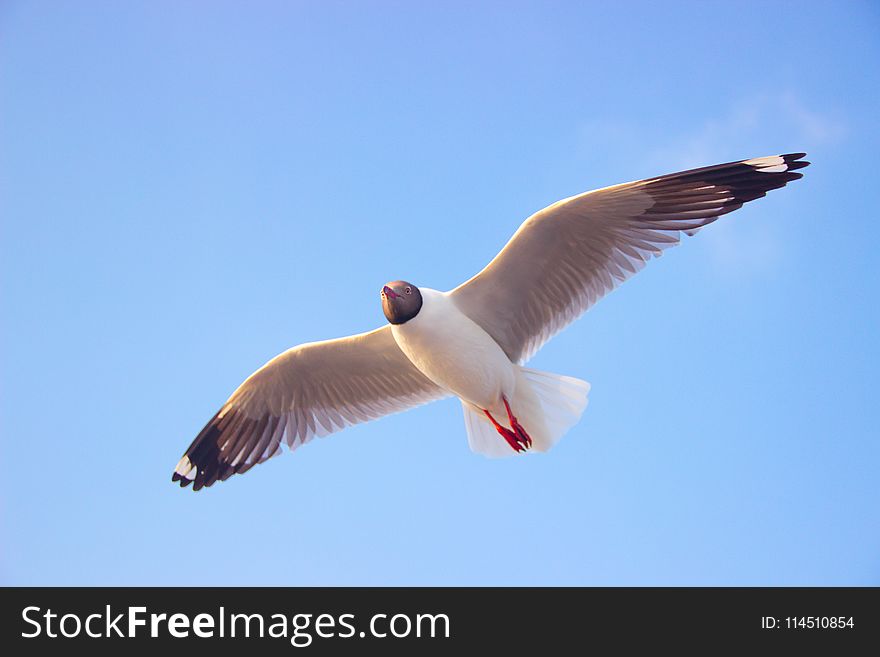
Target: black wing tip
{"points": [[225, 447], [692, 199], [202, 460], [176, 477], [204, 477], [794, 161], [787, 162], [763, 174], [200, 481]]}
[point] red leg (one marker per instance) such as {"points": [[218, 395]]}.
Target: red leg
{"points": [[517, 438], [506, 433], [520, 431]]}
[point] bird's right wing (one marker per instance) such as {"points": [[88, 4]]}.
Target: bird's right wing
{"points": [[313, 389], [567, 256]]}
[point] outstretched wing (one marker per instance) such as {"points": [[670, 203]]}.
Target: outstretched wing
{"points": [[567, 256], [311, 390]]}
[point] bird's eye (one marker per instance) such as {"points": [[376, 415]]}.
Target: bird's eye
{"points": [[408, 290]]}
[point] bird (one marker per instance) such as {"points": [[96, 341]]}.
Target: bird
{"points": [[472, 342]]}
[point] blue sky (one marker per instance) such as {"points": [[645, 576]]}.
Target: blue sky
{"points": [[178, 179]]}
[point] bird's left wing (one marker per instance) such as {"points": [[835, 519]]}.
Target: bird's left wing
{"points": [[310, 390], [567, 256]]}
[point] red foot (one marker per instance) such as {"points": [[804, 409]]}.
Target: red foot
{"points": [[517, 427], [517, 438]]}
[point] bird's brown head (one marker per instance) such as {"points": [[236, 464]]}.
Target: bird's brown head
{"points": [[401, 301]]}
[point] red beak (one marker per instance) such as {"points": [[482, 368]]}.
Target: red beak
{"points": [[391, 294]]}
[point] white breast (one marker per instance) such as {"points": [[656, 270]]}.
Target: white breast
{"points": [[455, 352]]}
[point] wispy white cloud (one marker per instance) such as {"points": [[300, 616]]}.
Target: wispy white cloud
{"points": [[759, 125], [816, 128], [778, 122], [760, 122], [744, 249]]}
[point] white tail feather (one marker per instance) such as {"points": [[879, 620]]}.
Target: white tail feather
{"points": [[546, 405]]}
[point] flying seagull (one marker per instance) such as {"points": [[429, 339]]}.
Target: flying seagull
{"points": [[471, 342]]}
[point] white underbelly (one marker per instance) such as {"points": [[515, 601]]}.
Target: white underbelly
{"points": [[457, 354]]}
